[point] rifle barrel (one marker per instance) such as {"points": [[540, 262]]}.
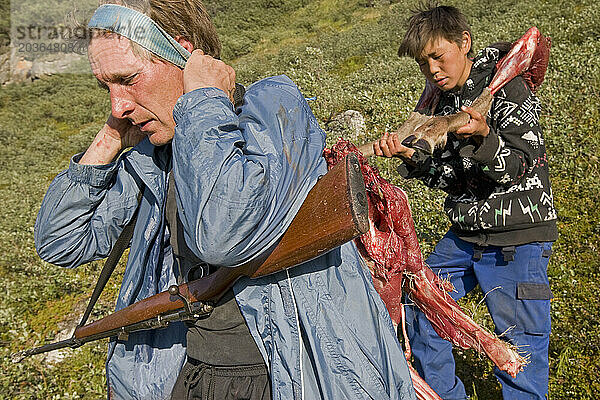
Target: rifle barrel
{"points": [[158, 321], [20, 355]]}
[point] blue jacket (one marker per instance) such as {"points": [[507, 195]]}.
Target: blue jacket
{"points": [[240, 175]]}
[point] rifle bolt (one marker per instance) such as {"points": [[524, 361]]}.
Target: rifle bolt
{"points": [[173, 290]]}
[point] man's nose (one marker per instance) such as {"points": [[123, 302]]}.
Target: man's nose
{"points": [[121, 103]]}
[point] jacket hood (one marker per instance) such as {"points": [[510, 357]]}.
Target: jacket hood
{"points": [[482, 70]]}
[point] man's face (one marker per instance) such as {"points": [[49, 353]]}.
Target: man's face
{"points": [[141, 91], [445, 64]]}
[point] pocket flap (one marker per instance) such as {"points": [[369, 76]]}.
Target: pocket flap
{"points": [[533, 291]]}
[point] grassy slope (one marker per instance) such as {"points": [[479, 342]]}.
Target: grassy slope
{"points": [[343, 52]]}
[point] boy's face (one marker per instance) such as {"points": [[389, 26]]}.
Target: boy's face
{"points": [[445, 63]]}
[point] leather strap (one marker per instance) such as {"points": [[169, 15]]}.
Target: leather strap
{"points": [[110, 264]]}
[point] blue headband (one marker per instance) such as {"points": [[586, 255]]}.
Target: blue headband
{"points": [[140, 29]]}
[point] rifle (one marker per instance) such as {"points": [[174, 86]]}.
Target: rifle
{"points": [[334, 212]]}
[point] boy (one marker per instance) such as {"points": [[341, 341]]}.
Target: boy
{"points": [[499, 203]]}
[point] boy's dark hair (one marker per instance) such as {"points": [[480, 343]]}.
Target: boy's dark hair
{"points": [[431, 21]]}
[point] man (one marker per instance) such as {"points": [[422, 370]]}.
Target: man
{"points": [[499, 202], [237, 177]]}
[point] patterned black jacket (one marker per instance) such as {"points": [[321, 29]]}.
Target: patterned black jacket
{"points": [[498, 192]]}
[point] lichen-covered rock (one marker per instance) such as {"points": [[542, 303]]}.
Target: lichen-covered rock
{"points": [[350, 124]]}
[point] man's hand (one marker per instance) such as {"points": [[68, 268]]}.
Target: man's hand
{"points": [[124, 131], [389, 146], [477, 127], [203, 71], [116, 135]]}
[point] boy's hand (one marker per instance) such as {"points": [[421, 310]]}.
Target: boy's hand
{"points": [[389, 146], [203, 71], [477, 127]]}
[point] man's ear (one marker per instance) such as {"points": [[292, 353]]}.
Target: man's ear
{"points": [[466, 42], [185, 43]]}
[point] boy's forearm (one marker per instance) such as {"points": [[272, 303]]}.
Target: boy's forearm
{"points": [[434, 172]]}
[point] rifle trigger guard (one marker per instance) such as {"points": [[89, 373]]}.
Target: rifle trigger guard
{"points": [[203, 309]]}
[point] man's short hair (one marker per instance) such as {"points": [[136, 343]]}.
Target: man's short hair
{"points": [[186, 18], [431, 21]]}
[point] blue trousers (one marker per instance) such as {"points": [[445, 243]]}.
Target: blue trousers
{"points": [[518, 299]]}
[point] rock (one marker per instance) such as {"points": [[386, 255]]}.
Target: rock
{"points": [[65, 330], [50, 67], [350, 124], [21, 72], [4, 68], [17, 69]]}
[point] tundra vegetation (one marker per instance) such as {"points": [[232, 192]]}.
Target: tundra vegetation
{"points": [[343, 52]]}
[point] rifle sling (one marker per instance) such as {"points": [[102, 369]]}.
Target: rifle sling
{"points": [[186, 265], [110, 264]]}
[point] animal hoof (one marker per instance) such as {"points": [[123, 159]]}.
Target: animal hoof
{"points": [[423, 145], [408, 141]]}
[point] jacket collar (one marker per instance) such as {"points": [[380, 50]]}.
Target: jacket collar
{"points": [[152, 165]]}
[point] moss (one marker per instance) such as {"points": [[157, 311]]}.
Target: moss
{"points": [[350, 65], [46, 316]]}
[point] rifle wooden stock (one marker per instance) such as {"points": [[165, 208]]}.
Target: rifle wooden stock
{"points": [[334, 212]]}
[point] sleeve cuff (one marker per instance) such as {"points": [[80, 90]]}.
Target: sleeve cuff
{"points": [[488, 149], [405, 170], [93, 175], [421, 162]]}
